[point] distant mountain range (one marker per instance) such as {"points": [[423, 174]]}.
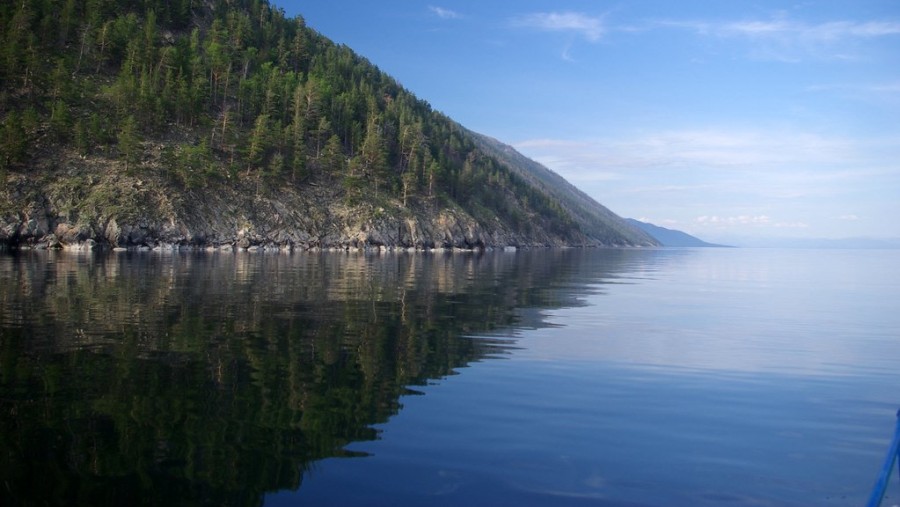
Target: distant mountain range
{"points": [[671, 237]]}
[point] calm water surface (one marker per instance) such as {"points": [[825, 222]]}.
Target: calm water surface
{"points": [[597, 377]]}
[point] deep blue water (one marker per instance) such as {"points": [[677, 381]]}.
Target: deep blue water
{"points": [[688, 377], [662, 377]]}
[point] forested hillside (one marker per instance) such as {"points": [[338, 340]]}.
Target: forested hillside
{"points": [[226, 123]]}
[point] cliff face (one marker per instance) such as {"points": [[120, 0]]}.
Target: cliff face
{"points": [[94, 204]]}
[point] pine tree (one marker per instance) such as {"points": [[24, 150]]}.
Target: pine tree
{"points": [[298, 134], [323, 130], [372, 153], [66, 21], [276, 164], [334, 156], [259, 143], [129, 141], [17, 39], [433, 170], [30, 121], [12, 142], [95, 131], [81, 140], [60, 81], [59, 120]]}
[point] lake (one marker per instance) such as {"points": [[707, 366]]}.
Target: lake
{"points": [[638, 377]]}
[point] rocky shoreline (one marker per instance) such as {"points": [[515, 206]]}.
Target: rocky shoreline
{"points": [[43, 229], [31, 235], [92, 246], [94, 204], [286, 221]]}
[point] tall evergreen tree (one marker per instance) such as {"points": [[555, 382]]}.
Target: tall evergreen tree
{"points": [[13, 142], [129, 141], [258, 143]]}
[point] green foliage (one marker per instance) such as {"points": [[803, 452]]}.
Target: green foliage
{"points": [[30, 121], [260, 140], [81, 140], [96, 132], [60, 120], [191, 164], [333, 161], [60, 81], [12, 142], [129, 141], [276, 164]]}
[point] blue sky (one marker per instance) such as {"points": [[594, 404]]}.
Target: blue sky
{"points": [[729, 120]]}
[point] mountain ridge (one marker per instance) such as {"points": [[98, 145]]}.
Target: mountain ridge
{"points": [[672, 237], [225, 124]]}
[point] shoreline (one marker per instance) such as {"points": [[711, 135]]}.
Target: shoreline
{"points": [[101, 248]]}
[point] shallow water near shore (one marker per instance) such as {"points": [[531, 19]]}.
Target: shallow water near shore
{"points": [[557, 377]]}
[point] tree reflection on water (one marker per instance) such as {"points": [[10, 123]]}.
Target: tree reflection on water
{"points": [[145, 379]]}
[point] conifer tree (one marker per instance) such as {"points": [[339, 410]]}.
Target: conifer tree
{"points": [[334, 156], [129, 141], [12, 142], [259, 143], [59, 120], [372, 151], [80, 134]]}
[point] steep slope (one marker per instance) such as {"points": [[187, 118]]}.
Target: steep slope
{"points": [[670, 237], [597, 221], [221, 123]]}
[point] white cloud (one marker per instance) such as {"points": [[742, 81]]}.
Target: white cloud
{"points": [[741, 219], [755, 221], [883, 94], [782, 27], [696, 148], [851, 217], [589, 27], [783, 39], [444, 13]]}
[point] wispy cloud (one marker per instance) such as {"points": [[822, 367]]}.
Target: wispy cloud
{"points": [[589, 27], [783, 27], [780, 166], [886, 87], [741, 219], [781, 38], [707, 148], [444, 13], [747, 220], [832, 31], [883, 94]]}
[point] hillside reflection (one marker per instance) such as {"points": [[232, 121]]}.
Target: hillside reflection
{"points": [[144, 379]]}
